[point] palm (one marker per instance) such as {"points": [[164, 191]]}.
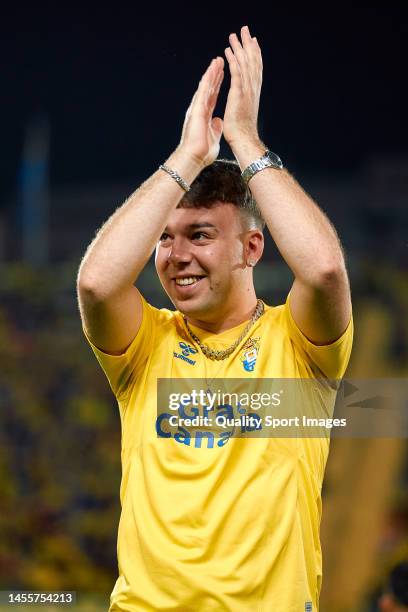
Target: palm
{"points": [[206, 137], [201, 132]]}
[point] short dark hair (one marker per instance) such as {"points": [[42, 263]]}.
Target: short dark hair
{"points": [[221, 182]]}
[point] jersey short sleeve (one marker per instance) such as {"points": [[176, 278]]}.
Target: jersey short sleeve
{"points": [[121, 369], [330, 359]]}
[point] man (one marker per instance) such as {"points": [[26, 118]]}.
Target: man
{"points": [[232, 525]]}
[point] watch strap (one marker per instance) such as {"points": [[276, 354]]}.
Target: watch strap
{"points": [[268, 160]]}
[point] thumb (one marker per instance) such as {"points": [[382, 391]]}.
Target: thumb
{"points": [[217, 125]]}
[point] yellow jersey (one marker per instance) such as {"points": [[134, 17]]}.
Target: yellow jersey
{"points": [[221, 527]]}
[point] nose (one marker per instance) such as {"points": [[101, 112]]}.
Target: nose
{"points": [[179, 252]]}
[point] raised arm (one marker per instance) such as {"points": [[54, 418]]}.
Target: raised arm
{"points": [[320, 296], [110, 304]]}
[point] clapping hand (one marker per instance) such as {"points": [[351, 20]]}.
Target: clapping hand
{"points": [[201, 131], [241, 111]]}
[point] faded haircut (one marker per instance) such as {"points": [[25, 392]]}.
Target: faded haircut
{"points": [[221, 182]]}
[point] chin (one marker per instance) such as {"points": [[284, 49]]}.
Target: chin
{"points": [[208, 313], [193, 307], [187, 307]]}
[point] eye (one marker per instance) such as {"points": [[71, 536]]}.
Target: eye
{"points": [[164, 237], [199, 235]]}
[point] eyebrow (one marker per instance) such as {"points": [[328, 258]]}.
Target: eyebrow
{"points": [[201, 225]]}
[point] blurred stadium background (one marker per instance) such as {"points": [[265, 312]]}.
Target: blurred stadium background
{"points": [[59, 427]]}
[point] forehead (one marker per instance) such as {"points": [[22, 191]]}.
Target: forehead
{"points": [[224, 217]]}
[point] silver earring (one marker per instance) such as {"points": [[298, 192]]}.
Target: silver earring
{"points": [[251, 263]]}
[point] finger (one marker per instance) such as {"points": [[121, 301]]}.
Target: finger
{"points": [[246, 39], [213, 97], [219, 62], [218, 73], [220, 76], [215, 69], [204, 105], [201, 88], [216, 80], [235, 71], [240, 56], [207, 81], [258, 49], [217, 126], [254, 50], [253, 53], [207, 78], [218, 83], [248, 44]]}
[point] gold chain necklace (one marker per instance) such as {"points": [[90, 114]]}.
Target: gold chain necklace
{"points": [[220, 355]]}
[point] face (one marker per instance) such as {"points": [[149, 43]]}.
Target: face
{"points": [[201, 260]]}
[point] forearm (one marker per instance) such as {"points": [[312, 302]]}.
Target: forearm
{"points": [[123, 245], [302, 232]]}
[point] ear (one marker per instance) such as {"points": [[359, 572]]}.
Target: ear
{"points": [[254, 246]]}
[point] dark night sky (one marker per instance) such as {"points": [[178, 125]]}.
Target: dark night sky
{"points": [[116, 83]]}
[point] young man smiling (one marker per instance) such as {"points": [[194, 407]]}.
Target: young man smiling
{"points": [[200, 265], [233, 525]]}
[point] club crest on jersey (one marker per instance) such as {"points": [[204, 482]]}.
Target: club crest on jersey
{"points": [[249, 354], [186, 351]]}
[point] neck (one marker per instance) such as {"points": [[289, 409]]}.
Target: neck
{"points": [[227, 321]]}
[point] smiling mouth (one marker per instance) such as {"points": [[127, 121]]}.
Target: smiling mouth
{"points": [[187, 281]]}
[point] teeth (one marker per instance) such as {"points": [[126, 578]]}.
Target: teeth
{"points": [[187, 281]]}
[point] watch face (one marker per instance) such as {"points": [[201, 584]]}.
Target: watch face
{"points": [[275, 159]]}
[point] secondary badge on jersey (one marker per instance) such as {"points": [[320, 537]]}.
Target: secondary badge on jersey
{"points": [[249, 353]]}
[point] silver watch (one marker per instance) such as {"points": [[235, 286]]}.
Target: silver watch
{"points": [[268, 160]]}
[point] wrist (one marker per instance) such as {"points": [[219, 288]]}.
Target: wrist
{"points": [[187, 157], [247, 149], [185, 164]]}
